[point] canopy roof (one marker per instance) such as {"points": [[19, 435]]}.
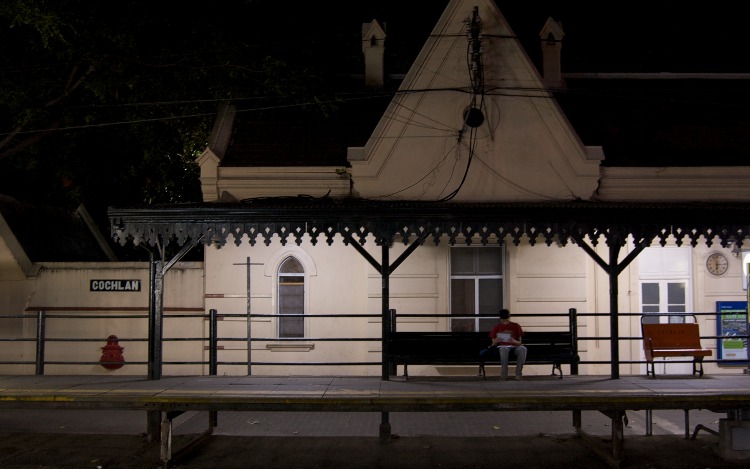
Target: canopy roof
{"points": [[293, 218]]}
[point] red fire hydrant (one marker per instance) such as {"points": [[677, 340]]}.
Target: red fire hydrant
{"points": [[112, 358]]}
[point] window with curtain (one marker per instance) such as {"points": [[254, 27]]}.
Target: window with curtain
{"points": [[291, 295], [476, 287]]}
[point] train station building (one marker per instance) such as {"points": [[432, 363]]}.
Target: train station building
{"points": [[481, 175]]}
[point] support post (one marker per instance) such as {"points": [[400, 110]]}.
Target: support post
{"points": [[155, 320], [613, 269], [385, 426], [614, 326], [212, 342], [386, 269], [157, 270], [618, 434], [165, 448], [385, 272], [40, 328], [747, 321], [154, 417], [153, 426], [391, 366], [249, 328], [248, 307], [572, 313]]}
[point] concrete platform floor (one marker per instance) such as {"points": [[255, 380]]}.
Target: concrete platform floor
{"points": [[71, 437]]}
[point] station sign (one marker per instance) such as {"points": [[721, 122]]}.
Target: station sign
{"points": [[115, 285]]}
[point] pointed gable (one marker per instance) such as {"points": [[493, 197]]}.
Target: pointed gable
{"points": [[425, 149]]}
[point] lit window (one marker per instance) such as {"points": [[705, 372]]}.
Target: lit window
{"points": [[476, 287], [291, 294]]}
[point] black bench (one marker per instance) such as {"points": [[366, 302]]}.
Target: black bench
{"points": [[462, 348]]}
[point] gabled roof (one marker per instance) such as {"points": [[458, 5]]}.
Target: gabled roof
{"points": [[304, 137], [637, 119], [652, 115], [636, 36], [291, 132], [652, 83], [50, 234], [669, 121]]}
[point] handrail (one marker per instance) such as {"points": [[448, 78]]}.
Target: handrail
{"points": [[212, 342]]}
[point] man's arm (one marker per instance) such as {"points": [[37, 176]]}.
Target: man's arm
{"points": [[517, 335], [493, 337]]}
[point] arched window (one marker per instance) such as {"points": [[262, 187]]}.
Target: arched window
{"points": [[291, 294]]}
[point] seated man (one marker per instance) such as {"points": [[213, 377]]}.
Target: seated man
{"points": [[506, 337]]}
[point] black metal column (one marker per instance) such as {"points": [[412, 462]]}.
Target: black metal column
{"points": [[153, 417], [40, 328], [385, 272], [155, 320], [614, 325], [573, 319], [213, 342]]}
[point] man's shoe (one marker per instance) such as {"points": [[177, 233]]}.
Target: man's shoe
{"points": [[519, 378]]}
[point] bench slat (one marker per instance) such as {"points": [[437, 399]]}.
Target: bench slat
{"points": [[673, 340]]}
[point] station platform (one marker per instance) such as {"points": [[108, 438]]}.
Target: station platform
{"points": [[171, 396]]}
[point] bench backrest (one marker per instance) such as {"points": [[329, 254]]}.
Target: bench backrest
{"points": [[671, 335], [468, 344], [458, 344]]}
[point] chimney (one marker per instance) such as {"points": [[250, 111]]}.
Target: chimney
{"points": [[373, 47], [551, 38]]}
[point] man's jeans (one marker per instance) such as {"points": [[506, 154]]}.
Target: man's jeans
{"points": [[503, 351]]}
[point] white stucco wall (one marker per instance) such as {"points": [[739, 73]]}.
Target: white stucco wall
{"points": [[335, 283], [63, 289], [338, 281], [705, 291]]}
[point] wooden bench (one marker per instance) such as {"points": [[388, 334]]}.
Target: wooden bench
{"points": [[462, 348], [672, 340]]}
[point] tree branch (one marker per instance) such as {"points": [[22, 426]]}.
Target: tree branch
{"points": [[71, 85]]}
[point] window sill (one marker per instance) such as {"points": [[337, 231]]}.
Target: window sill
{"points": [[290, 347]]}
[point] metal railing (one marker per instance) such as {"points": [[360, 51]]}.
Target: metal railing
{"points": [[621, 338], [212, 340]]}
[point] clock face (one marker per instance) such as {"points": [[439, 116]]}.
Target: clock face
{"points": [[717, 264]]}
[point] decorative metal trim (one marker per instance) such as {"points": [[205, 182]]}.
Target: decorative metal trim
{"points": [[292, 220]]}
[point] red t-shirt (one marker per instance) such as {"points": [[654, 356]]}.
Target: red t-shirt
{"points": [[513, 327]]}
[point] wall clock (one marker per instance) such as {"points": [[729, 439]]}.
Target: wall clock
{"points": [[717, 264]]}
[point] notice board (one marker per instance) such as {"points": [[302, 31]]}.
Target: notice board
{"points": [[731, 320]]}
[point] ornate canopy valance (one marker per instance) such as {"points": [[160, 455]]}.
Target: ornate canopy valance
{"points": [[293, 218]]}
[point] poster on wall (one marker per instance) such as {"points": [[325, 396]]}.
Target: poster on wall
{"points": [[731, 320]]}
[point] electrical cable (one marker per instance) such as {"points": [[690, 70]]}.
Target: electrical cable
{"points": [[476, 76], [431, 171]]}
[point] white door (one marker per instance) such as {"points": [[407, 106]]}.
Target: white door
{"points": [[665, 288]]}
